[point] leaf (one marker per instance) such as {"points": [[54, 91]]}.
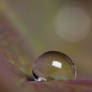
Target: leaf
{"points": [[59, 86], [14, 47]]}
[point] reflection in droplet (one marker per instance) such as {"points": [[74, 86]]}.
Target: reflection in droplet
{"points": [[57, 64], [54, 65]]}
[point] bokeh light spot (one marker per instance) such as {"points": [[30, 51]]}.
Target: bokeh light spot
{"points": [[72, 23]]}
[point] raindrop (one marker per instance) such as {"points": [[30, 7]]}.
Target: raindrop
{"points": [[53, 65]]}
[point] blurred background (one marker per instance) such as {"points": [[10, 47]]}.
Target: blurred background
{"points": [[28, 28]]}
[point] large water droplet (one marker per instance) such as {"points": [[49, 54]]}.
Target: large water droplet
{"points": [[54, 65]]}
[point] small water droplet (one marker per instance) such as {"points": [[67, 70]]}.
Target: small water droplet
{"points": [[54, 65]]}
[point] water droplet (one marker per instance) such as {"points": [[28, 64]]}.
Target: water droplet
{"points": [[54, 65]]}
